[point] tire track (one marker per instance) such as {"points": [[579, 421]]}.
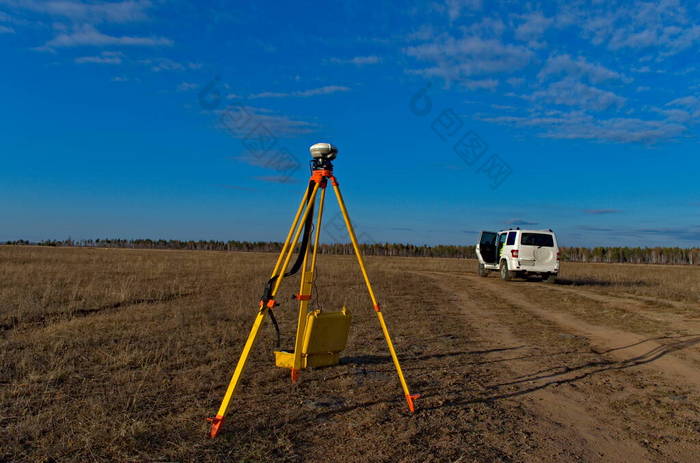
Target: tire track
{"points": [[674, 319], [45, 319], [623, 345], [576, 393]]}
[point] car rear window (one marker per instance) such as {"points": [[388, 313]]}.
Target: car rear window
{"points": [[537, 239]]}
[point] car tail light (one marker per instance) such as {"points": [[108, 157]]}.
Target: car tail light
{"points": [[514, 253], [558, 254]]}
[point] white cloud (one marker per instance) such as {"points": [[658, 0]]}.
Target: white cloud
{"points": [[454, 7], [602, 211], [604, 66], [357, 60], [580, 67], [186, 86], [621, 130], [6, 30], [488, 27], [520, 222], [275, 159], [641, 39], [106, 57], [322, 90], [303, 93], [276, 179], [533, 27], [682, 40], [488, 84], [86, 36], [676, 115], [455, 59], [570, 92], [241, 120], [664, 27], [76, 21], [684, 109], [167, 64], [423, 32], [579, 125], [84, 12], [691, 102]]}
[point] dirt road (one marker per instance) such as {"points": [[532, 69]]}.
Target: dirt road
{"points": [[605, 377]]}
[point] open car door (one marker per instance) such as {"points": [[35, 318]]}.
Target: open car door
{"points": [[486, 250]]}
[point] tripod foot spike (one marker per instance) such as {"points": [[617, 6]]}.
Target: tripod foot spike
{"points": [[216, 423], [409, 399], [295, 375]]}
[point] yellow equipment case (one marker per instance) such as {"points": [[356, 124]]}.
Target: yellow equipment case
{"points": [[325, 336]]}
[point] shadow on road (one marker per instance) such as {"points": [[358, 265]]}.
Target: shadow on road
{"points": [[380, 359], [562, 374], [597, 282]]}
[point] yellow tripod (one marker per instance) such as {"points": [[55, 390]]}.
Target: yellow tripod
{"points": [[322, 171]]}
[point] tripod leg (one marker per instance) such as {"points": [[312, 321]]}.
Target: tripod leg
{"points": [[217, 421], [303, 296], [291, 230], [409, 397], [319, 220], [306, 283], [295, 239]]}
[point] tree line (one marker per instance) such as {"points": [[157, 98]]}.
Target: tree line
{"points": [[638, 255]]}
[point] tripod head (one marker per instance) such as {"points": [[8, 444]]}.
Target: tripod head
{"points": [[322, 154]]}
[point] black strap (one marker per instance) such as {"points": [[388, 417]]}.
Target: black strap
{"points": [[308, 226], [277, 327]]}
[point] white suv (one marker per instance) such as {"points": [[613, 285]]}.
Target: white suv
{"points": [[519, 253]]}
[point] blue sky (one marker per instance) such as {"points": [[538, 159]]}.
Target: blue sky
{"points": [[192, 120]]}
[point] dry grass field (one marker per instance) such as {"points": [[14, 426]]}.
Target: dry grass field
{"points": [[119, 355]]}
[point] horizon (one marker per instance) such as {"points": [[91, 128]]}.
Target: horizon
{"points": [[96, 242], [122, 118]]}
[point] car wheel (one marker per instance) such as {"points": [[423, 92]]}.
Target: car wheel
{"points": [[506, 275], [482, 271], [550, 278]]}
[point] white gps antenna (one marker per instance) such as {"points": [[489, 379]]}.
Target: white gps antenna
{"points": [[324, 151]]}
